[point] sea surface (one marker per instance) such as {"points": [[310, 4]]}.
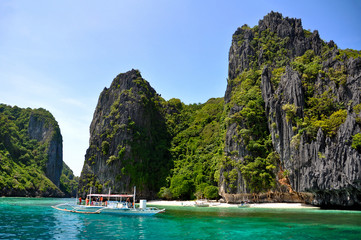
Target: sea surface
{"points": [[33, 218]]}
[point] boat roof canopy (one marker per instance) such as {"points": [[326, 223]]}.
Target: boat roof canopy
{"points": [[109, 195]]}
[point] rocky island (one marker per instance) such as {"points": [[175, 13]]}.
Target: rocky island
{"points": [[287, 129], [31, 155], [294, 109]]}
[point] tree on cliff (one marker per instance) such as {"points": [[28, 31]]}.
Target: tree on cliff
{"points": [[30, 153]]}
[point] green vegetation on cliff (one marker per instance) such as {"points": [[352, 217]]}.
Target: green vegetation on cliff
{"points": [[68, 182], [149, 163], [254, 50], [286, 87], [23, 159], [322, 110], [131, 144], [258, 162], [197, 149]]}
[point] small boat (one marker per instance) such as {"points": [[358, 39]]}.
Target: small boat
{"points": [[201, 204], [244, 205], [114, 204]]}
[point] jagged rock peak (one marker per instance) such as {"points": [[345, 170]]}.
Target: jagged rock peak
{"points": [[131, 81], [125, 80], [284, 27], [249, 49], [124, 88]]}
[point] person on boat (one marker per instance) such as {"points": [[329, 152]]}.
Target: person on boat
{"points": [[79, 200], [129, 203], [101, 200], [87, 201]]}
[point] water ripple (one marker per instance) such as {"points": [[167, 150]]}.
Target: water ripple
{"points": [[32, 218]]}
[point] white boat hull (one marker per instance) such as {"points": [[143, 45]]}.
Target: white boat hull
{"points": [[131, 212], [109, 210], [114, 204]]}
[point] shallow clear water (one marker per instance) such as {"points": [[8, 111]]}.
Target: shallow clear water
{"points": [[33, 218]]}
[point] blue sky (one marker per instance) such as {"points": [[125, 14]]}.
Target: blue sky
{"points": [[59, 55]]}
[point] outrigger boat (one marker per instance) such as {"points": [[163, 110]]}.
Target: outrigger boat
{"points": [[110, 204]]}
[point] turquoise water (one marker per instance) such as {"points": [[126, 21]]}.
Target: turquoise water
{"points": [[33, 218]]}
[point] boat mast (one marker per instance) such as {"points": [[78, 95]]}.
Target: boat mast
{"points": [[134, 197], [89, 196]]}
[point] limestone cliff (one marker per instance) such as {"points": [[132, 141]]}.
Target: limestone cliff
{"points": [[311, 92], [31, 153], [128, 139], [327, 164], [287, 130], [47, 132]]}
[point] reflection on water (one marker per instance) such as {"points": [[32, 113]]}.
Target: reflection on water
{"points": [[67, 226], [141, 229], [29, 218]]}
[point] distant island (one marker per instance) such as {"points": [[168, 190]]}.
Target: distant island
{"points": [[287, 130], [31, 155]]}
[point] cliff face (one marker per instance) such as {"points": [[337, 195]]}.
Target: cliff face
{"points": [[128, 139], [41, 130], [30, 153], [326, 165], [287, 130], [247, 50], [311, 91]]}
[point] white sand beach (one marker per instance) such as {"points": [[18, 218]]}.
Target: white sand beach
{"points": [[225, 205], [282, 205]]}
